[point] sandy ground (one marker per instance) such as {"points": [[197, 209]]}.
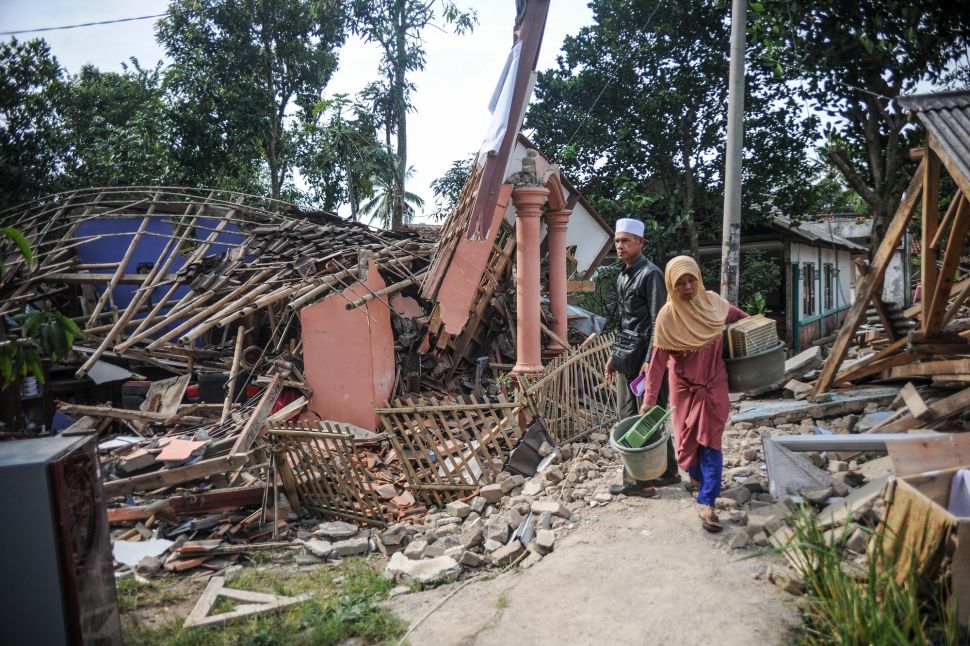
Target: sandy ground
{"points": [[634, 572]]}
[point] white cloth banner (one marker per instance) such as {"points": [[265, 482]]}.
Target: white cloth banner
{"points": [[500, 104]]}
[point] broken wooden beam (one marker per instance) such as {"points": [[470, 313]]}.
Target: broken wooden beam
{"points": [[169, 477]]}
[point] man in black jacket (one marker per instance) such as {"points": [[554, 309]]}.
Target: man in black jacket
{"points": [[640, 295]]}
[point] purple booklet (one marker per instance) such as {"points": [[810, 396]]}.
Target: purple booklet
{"points": [[638, 385]]}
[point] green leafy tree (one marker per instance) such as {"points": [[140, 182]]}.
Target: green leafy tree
{"points": [[42, 331], [636, 112], [447, 188], [30, 138], [117, 127], [380, 208], [343, 153], [244, 76], [851, 60], [397, 27]]}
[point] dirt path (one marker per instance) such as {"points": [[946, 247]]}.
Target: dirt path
{"points": [[634, 572]]}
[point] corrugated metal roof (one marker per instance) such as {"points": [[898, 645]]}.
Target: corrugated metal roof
{"points": [[817, 232], [946, 116]]}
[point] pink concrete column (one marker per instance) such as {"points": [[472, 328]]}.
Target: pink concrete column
{"points": [[528, 202], [556, 222]]}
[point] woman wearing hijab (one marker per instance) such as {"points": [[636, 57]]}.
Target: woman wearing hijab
{"points": [[688, 341]]}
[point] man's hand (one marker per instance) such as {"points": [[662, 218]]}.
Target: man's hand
{"points": [[608, 370], [644, 407], [644, 367]]}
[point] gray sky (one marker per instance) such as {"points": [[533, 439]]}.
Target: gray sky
{"points": [[450, 115]]}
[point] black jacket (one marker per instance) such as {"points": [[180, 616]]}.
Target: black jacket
{"points": [[640, 294]]}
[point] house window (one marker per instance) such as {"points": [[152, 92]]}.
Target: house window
{"points": [[829, 283], [809, 281]]}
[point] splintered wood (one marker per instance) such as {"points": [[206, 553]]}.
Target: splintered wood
{"points": [[327, 471], [449, 449], [163, 275], [573, 396]]}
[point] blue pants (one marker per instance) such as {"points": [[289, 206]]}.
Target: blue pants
{"points": [[707, 471]]}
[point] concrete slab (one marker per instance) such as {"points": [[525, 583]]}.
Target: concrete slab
{"points": [[787, 411]]}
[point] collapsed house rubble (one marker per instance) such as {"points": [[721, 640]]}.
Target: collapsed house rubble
{"points": [[252, 370], [914, 413]]}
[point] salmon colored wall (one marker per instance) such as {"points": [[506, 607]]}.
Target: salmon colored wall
{"points": [[464, 275], [348, 357]]}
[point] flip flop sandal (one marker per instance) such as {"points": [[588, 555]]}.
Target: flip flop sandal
{"points": [[691, 487], [712, 524]]}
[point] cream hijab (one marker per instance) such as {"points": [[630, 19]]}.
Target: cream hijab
{"points": [[687, 326]]}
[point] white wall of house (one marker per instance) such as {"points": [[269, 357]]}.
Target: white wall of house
{"points": [[894, 288], [840, 279]]}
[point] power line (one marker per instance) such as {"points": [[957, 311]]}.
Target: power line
{"points": [[83, 24]]}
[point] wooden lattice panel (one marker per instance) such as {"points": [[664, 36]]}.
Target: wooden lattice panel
{"points": [[573, 396], [752, 335], [327, 471], [449, 449]]}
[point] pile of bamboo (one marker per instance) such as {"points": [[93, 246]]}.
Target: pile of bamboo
{"points": [[165, 276]]}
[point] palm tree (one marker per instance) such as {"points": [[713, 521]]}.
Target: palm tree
{"points": [[380, 208]]}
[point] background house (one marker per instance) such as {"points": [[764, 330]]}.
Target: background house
{"points": [[817, 274]]}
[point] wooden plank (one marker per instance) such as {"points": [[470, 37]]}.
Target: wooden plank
{"points": [[196, 504], [941, 229], [929, 453], [960, 572], [884, 318], [125, 414], [204, 604], [916, 310], [868, 284], [259, 416], [939, 409], [891, 355], [917, 407], [930, 221], [930, 368], [947, 275], [169, 477]]}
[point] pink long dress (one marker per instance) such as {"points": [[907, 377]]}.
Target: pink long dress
{"points": [[698, 394]]}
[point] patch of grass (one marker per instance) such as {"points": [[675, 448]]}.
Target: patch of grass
{"points": [[502, 601], [344, 605], [134, 594], [870, 606]]}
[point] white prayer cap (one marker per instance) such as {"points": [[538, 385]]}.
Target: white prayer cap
{"points": [[631, 226]]}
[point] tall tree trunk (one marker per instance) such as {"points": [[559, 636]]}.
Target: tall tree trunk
{"points": [[400, 112], [351, 191], [271, 141]]}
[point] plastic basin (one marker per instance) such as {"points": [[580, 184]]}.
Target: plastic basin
{"points": [[647, 462], [756, 371]]}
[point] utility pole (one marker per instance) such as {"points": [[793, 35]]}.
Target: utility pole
{"points": [[731, 234]]}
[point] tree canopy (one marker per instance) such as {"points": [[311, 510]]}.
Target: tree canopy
{"points": [[397, 26], [851, 60], [237, 67], [636, 110]]}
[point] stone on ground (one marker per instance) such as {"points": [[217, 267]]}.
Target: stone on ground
{"points": [[428, 571]]}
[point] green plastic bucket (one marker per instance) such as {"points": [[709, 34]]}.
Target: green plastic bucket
{"points": [[645, 463]]}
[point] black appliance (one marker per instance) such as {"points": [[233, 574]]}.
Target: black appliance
{"points": [[55, 552]]}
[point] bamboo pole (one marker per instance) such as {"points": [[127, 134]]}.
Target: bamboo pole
{"points": [[171, 249], [392, 289], [108, 291], [233, 371]]}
